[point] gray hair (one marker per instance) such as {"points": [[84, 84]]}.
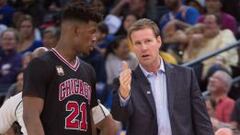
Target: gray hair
{"points": [[55, 31], [226, 78]]}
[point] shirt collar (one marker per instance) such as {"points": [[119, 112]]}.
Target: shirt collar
{"points": [[160, 70]]}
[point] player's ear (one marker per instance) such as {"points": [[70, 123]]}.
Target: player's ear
{"points": [[77, 30]]}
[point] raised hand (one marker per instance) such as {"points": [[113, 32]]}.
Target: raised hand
{"points": [[125, 80]]}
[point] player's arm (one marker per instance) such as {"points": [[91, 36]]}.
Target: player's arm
{"points": [[32, 108], [102, 119], [35, 84], [100, 116]]}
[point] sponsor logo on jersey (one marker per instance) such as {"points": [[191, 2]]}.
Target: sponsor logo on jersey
{"points": [[74, 87], [60, 70]]}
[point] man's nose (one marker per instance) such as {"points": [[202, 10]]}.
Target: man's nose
{"points": [[144, 46], [94, 37]]}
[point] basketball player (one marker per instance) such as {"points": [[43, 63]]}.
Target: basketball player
{"points": [[59, 88]]}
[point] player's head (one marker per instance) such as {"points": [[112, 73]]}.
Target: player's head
{"points": [[39, 51], [79, 21]]}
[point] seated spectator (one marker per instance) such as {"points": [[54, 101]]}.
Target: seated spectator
{"points": [[117, 52], [177, 37], [50, 37], [127, 21], [179, 13], [219, 85], [227, 21], [104, 38], [173, 25], [10, 62], [211, 40], [26, 29]]}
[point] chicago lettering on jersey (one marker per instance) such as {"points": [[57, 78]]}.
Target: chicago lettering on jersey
{"points": [[74, 87]]}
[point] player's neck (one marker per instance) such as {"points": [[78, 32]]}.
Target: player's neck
{"points": [[67, 52]]}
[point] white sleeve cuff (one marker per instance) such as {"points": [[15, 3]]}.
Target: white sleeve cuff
{"points": [[99, 112]]}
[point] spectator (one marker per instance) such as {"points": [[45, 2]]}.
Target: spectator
{"points": [[117, 52], [219, 85], [227, 21], [26, 29], [10, 63], [104, 38], [211, 40], [50, 37], [128, 20], [179, 13]]}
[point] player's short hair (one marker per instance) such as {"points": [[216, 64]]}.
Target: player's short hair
{"points": [[142, 24], [81, 10], [102, 27]]}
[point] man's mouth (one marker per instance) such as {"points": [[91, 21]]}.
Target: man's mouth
{"points": [[91, 47], [145, 56]]}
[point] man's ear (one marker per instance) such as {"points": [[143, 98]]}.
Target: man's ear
{"points": [[159, 40], [77, 30]]}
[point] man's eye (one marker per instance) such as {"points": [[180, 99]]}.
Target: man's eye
{"points": [[92, 31], [148, 41], [137, 43]]}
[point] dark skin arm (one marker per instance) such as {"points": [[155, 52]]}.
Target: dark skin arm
{"points": [[94, 128], [108, 126], [33, 107]]}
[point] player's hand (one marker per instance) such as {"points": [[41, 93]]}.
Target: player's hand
{"points": [[125, 80]]}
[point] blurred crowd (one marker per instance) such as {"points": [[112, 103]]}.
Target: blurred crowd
{"points": [[189, 29]]}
